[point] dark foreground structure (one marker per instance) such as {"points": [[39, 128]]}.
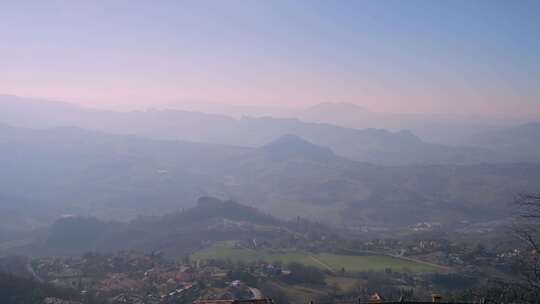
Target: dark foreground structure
{"points": [[436, 299], [252, 301]]}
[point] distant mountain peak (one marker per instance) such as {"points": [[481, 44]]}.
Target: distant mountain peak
{"points": [[291, 146], [339, 106]]}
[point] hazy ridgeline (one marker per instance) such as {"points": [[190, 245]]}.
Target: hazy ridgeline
{"points": [[72, 160], [327, 201], [330, 203], [323, 152]]}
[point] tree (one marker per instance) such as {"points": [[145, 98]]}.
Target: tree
{"points": [[305, 274], [273, 292], [527, 229]]}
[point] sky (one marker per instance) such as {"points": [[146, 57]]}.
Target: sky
{"points": [[457, 57]]}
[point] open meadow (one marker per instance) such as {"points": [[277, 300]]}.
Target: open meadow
{"points": [[326, 261]]}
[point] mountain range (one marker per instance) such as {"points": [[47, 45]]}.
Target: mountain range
{"points": [[49, 173], [437, 128], [377, 146]]}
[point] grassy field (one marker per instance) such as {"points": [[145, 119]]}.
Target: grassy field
{"points": [[333, 262], [221, 252], [373, 262], [345, 284]]}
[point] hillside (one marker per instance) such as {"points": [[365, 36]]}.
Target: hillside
{"points": [[514, 143], [73, 171], [17, 290], [368, 144], [115, 177], [175, 234], [436, 128], [294, 147], [341, 191]]}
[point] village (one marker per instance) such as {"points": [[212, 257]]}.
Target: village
{"points": [[135, 277]]}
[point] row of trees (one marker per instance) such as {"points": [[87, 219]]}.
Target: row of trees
{"points": [[17, 290], [526, 227]]}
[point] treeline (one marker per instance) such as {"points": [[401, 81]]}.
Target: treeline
{"points": [[302, 274], [17, 290]]}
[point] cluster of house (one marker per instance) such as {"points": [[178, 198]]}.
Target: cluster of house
{"points": [[119, 275], [131, 277]]}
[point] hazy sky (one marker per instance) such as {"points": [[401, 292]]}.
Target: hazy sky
{"points": [[401, 56]]}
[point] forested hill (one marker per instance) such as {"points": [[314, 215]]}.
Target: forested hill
{"points": [[51, 173], [211, 220]]}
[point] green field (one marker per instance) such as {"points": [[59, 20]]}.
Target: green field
{"points": [[356, 263], [328, 261]]}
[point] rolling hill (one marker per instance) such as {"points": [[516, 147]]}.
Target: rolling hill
{"points": [[513, 143], [67, 171], [175, 234], [371, 145]]}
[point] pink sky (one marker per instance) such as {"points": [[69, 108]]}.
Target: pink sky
{"points": [[463, 58]]}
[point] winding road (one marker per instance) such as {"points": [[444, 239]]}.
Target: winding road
{"points": [[257, 294]]}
